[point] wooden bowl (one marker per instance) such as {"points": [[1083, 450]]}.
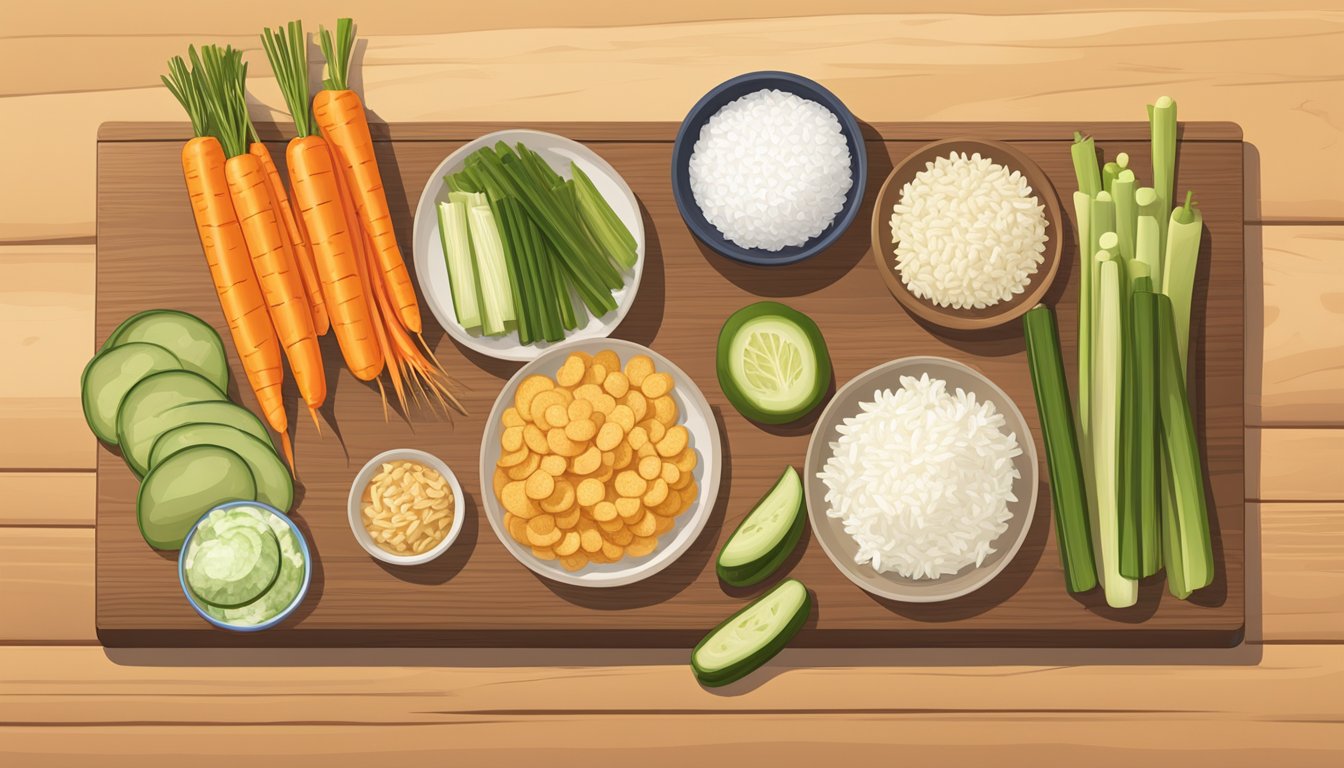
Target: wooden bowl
{"points": [[884, 252]]}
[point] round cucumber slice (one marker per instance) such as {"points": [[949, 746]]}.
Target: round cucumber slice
{"points": [[767, 536], [772, 362], [752, 636], [185, 486], [188, 337], [140, 438], [288, 582], [275, 486], [111, 374], [233, 567], [140, 419]]}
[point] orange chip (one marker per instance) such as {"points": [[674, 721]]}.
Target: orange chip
{"points": [[567, 520], [571, 372], [553, 465], [636, 402], [628, 508], [641, 546], [650, 467], [524, 470], [528, 389], [574, 562], [543, 553], [590, 492], [511, 418], [568, 544], [656, 385], [561, 445], [622, 536], [535, 439], [638, 368], [512, 458], [608, 359], [587, 462], [604, 512], [539, 485], [616, 384], [664, 410]]}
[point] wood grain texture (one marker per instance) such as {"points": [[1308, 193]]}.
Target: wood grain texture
{"points": [[46, 573], [46, 319], [1296, 465], [1270, 70], [47, 499], [1297, 539], [146, 257]]}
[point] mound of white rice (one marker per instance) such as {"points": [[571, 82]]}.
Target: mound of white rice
{"points": [[771, 170], [922, 479], [968, 232]]}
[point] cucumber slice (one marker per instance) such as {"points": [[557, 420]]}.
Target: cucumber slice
{"points": [[188, 337], [772, 362], [752, 636], [231, 567], [144, 406], [275, 486], [140, 438], [111, 374], [184, 487], [767, 536], [288, 583]]}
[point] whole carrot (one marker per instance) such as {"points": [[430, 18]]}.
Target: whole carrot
{"points": [[226, 254], [340, 116], [298, 240], [272, 258], [332, 235]]}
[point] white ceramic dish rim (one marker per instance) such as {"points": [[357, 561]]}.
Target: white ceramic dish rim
{"points": [[689, 396], [431, 271], [362, 478], [921, 591]]}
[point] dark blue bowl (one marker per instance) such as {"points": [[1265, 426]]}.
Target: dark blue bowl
{"points": [[689, 133]]}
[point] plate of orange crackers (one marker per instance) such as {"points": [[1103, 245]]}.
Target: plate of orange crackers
{"points": [[601, 463]]}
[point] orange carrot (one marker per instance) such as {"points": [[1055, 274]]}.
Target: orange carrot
{"points": [[340, 116], [222, 240], [303, 255]]}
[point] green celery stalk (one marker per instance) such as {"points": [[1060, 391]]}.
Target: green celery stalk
{"points": [[1063, 460], [490, 268], [524, 322], [1147, 235], [1162, 133], [1188, 546], [458, 257], [1084, 152], [553, 329], [1108, 378], [1109, 173], [1140, 542], [1126, 217], [561, 287], [515, 223], [602, 222], [1082, 208], [1179, 265]]}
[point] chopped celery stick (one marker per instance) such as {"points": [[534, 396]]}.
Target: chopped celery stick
{"points": [[1147, 235], [1109, 173], [1162, 130], [1106, 430], [1188, 547], [1082, 208], [456, 237], [1126, 221], [1140, 541], [1084, 152], [602, 222], [496, 295], [1179, 265]]}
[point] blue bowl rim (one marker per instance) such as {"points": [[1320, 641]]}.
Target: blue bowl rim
{"points": [[707, 233], [303, 588]]}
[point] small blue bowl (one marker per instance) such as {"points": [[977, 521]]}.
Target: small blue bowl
{"points": [[689, 133], [303, 588]]}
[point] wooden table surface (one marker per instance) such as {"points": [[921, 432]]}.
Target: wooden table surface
{"points": [[65, 700]]}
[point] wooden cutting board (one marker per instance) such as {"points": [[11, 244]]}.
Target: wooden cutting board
{"points": [[477, 594]]}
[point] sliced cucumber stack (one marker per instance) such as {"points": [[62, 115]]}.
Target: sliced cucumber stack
{"points": [[752, 636], [772, 363], [187, 485], [275, 486], [141, 417], [188, 337], [768, 534], [111, 374]]}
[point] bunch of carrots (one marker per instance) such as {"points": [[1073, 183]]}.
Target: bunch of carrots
{"points": [[288, 269]]}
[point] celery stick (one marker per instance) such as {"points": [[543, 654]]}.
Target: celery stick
{"points": [[524, 315], [457, 255], [1189, 547], [496, 296], [602, 222], [1106, 429], [1109, 173], [1084, 152], [1162, 130], [1147, 235], [552, 329], [1122, 160], [1082, 207], [1179, 264], [1141, 542], [1126, 220]]}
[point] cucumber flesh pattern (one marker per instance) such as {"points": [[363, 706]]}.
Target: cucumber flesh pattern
{"points": [[768, 524], [235, 567], [275, 486], [752, 636], [287, 583]]}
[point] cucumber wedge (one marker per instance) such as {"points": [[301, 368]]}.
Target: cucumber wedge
{"points": [[275, 486], [768, 534], [772, 363], [144, 405], [188, 337], [111, 374], [231, 567], [185, 486], [752, 636]]}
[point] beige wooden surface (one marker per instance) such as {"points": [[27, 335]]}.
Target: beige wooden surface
{"points": [[1277, 72]]}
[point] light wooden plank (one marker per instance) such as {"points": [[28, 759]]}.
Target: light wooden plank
{"points": [[1303, 583], [47, 498], [46, 311], [1266, 70], [1295, 464], [46, 585], [1295, 349]]}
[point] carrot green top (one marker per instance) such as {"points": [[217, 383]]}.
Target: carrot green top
{"points": [[337, 53], [186, 88], [288, 55], [223, 76]]}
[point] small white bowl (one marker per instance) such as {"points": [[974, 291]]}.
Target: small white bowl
{"points": [[356, 500]]}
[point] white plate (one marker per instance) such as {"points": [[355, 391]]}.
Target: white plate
{"points": [[432, 271], [695, 415]]}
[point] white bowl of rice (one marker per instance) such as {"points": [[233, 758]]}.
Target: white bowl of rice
{"points": [[921, 480]]}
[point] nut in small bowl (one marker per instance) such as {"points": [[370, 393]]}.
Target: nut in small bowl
{"points": [[406, 507]]}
